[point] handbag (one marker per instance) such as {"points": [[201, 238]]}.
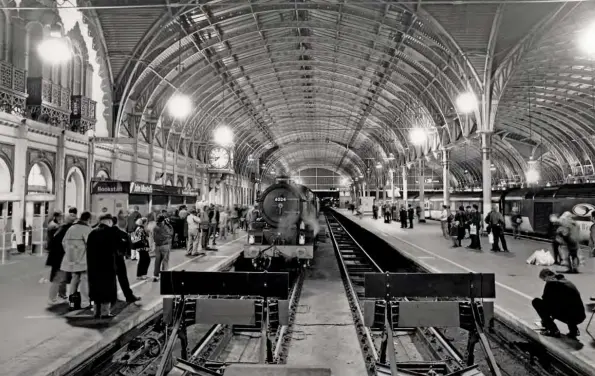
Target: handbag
{"points": [[74, 301], [491, 237], [472, 229]]}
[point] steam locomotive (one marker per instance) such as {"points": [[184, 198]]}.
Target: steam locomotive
{"points": [[285, 228]]}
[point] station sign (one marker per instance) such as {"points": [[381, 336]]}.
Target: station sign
{"points": [[167, 190], [106, 186], [141, 188], [116, 140], [190, 192]]}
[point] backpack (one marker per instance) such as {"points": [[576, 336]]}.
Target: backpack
{"points": [[137, 239]]}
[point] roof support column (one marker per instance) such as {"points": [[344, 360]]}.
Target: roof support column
{"points": [[256, 189], [422, 182], [377, 188], [19, 181], [404, 168], [486, 165], [392, 185], [446, 177], [134, 124], [151, 124]]}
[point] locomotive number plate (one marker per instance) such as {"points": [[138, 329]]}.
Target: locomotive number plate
{"points": [[280, 199]]}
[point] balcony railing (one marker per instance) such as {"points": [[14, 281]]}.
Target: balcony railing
{"points": [[44, 92], [83, 107], [48, 102], [44, 101], [82, 117], [12, 89]]}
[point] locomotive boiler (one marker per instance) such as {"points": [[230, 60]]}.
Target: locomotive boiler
{"points": [[285, 227]]}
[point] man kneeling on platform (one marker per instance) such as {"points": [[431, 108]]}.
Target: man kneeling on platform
{"points": [[561, 301]]}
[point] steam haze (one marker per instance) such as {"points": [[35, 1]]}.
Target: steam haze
{"points": [[311, 220]]}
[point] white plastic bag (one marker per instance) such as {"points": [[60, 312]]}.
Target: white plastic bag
{"points": [[472, 230], [491, 237], [541, 257]]}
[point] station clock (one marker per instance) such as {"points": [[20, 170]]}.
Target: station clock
{"points": [[219, 158]]}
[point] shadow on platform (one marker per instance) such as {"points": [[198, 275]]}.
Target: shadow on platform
{"points": [[84, 318]]}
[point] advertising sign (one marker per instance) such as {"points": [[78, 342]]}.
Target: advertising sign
{"points": [[190, 192], [141, 188], [105, 186], [167, 190]]}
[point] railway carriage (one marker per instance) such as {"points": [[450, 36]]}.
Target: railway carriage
{"points": [[537, 204]]}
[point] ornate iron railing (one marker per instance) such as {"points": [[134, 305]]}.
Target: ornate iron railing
{"points": [[13, 91], [82, 117]]}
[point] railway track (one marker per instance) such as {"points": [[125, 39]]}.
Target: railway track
{"points": [[226, 344], [446, 348], [419, 351], [213, 347]]}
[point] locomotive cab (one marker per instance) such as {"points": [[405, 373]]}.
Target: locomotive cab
{"points": [[285, 228]]}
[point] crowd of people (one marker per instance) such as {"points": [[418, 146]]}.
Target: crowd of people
{"points": [[388, 211], [86, 254]]}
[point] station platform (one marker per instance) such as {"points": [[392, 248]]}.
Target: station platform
{"points": [[517, 282], [39, 340]]}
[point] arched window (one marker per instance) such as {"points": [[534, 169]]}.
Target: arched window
{"points": [[39, 179], [102, 175], [4, 23], [77, 75], [75, 189], [34, 37], [4, 177]]}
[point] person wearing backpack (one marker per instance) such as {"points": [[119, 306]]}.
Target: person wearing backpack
{"points": [[162, 236], [193, 240], [140, 244], [516, 220], [58, 278]]}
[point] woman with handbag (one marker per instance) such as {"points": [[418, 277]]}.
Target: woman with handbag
{"points": [[140, 244]]}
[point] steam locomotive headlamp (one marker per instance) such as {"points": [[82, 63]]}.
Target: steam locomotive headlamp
{"points": [[251, 239], [302, 239]]}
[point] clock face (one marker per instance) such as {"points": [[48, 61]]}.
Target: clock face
{"points": [[219, 158]]}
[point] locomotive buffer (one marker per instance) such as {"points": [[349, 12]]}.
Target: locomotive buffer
{"points": [[180, 310], [464, 308]]}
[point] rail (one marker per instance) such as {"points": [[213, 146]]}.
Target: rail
{"points": [[452, 353], [514, 349]]}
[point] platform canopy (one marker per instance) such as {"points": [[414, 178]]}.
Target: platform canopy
{"points": [[345, 84]]}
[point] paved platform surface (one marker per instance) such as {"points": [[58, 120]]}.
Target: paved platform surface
{"points": [[324, 332], [41, 340], [517, 283]]}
